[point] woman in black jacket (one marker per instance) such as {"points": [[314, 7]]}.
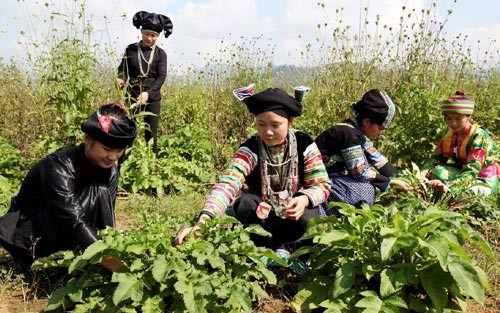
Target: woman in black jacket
{"points": [[70, 194]]}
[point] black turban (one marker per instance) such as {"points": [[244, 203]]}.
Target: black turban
{"points": [[153, 21], [377, 106], [111, 126], [276, 100]]}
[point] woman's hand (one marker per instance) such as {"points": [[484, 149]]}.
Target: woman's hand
{"points": [[438, 185], [185, 231], [401, 183], [296, 207], [143, 98], [112, 263], [120, 83], [193, 230]]}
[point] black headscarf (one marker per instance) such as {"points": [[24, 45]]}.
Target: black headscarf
{"points": [[111, 126], [276, 100], [377, 106], [153, 21]]}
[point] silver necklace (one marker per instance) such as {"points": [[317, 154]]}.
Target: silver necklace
{"points": [[140, 58], [286, 175]]}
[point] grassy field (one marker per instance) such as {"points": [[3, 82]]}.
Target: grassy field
{"points": [[201, 123]]}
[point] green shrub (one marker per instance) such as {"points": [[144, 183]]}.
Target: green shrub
{"points": [[11, 174], [220, 272], [185, 164], [400, 258]]}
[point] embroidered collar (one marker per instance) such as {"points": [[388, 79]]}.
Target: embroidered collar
{"points": [[450, 142]]}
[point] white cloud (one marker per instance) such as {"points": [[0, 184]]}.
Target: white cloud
{"points": [[206, 27]]}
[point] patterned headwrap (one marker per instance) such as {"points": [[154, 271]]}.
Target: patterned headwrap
{"points": [[153, 22], [111, 126], [272, 99], [377, 106], [458, 104]]}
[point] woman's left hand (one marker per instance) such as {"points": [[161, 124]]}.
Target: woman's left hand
{"points": [[143, 98], [296, 207]]}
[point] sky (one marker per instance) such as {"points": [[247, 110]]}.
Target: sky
{"points": [[204, 28]]}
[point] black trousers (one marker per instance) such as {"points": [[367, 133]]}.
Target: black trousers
{"points": [[151, 121], [282, 230]]}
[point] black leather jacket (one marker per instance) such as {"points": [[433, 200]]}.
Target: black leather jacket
{"points": [[67, 199]]}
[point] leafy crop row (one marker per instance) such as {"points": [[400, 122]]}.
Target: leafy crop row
{"points": [[393, 259], [407, 256], [222, 272]]}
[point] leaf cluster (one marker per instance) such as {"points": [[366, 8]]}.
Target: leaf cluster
{"points": [[10, 173], [184, 164], [398, 258], [220, 272]]}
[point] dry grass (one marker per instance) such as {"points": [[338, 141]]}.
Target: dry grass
{"points": [[492, 270]]}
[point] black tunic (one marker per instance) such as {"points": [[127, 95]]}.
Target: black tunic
{"points": [[129, 69], [346, 151]]}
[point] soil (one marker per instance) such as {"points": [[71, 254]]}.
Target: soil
{"points": [[13, 302], [273, 306]]}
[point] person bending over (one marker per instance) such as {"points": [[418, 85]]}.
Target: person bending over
{"points": [[70, 194]]}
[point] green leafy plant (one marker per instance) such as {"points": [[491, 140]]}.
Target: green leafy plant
{"points": [[184, 164], [220, 272], [392, 259], [10, 173], [480, 209]]}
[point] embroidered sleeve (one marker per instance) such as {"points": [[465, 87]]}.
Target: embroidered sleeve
{"points": [[317, 185], [357, 164], [230, 182], [380, 162], [377, 159]]}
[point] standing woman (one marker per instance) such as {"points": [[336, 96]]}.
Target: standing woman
{"points": [[143, 70]]}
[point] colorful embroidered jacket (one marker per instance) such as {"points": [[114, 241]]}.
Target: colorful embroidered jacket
{"points": [[475, 155], [244, 169], [347, 151]]}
